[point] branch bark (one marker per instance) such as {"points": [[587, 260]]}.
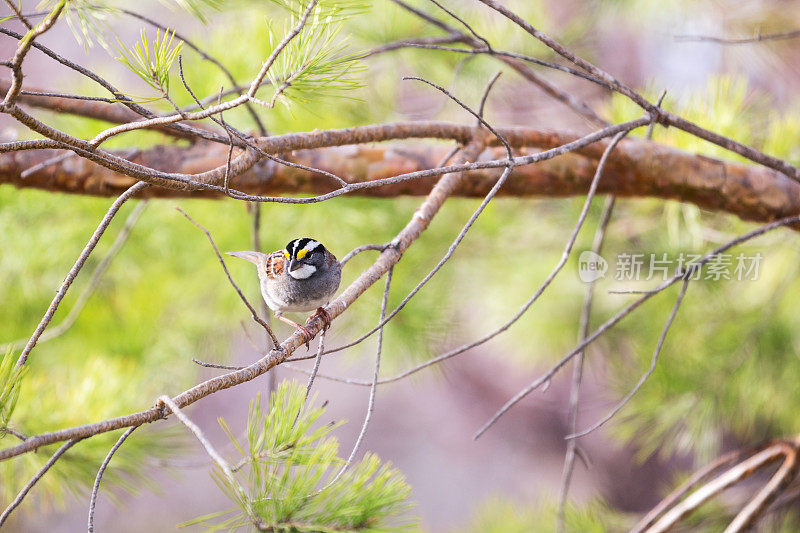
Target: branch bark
{"points": [[637, 168]]}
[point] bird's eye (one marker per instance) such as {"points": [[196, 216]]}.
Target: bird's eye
{"points": [[286, 254], [302, 253]]}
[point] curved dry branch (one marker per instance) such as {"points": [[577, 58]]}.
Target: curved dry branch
{"points": [[734, 475]]}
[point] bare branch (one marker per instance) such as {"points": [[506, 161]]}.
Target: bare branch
{"points": [[244, 299], [757, 38], [101, 471], [92, 285], [463, 23], [373, 385], [486, 92], [646, 375], [577, 373], [29, 485], [363, 248], [628, 310], [87, 250]]}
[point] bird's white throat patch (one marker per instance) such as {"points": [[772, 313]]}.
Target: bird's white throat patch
{"points": [[303, 272]]}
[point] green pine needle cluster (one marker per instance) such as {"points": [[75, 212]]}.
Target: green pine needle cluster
{"points": [[315, 63], [10, 378], [152, 66], [286, 478]]}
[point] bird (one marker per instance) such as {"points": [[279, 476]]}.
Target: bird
{"points": [[301, 277]]}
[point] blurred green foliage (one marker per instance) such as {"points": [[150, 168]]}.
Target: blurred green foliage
{"points": [[500, 516]]}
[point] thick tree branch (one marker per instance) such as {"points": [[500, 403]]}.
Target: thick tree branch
{"points": [[636, 169]]}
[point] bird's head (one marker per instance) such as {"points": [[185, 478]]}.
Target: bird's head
{"points": [[304, 257]]}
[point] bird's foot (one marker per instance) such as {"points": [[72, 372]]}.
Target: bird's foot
{"points": [[324, 315], [304, 331]]}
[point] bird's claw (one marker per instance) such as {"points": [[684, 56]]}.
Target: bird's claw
{"points": [[306, 333], [325, 316]]}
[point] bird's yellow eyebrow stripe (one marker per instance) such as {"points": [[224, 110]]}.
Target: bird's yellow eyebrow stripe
{"points": [[286, 254], [302, 253]]}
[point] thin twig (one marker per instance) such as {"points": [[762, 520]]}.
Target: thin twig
{"points": [[577, 372], [653, 362], [244, 299], [317, 361], [92, 285], [216, 365], [373, 386], [757, 38], [486, 92], [568, 248], [469, 28], [22, 18], [76, 268], [363, 248], [29, 485], [210, 450], [468, 109], [13, 432], [611, 322], [101, 471], [46, 163]]}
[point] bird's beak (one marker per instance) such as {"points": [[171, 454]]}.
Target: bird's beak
{"points": [[253, 257], [294, 264]]}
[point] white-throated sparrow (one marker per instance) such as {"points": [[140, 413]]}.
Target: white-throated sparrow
{"points": [[301, 277]]}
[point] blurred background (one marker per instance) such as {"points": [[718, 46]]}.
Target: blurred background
{"points": [[727, 374]]}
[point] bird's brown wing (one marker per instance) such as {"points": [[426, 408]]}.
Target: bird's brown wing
{"points": [[274, 264]]}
